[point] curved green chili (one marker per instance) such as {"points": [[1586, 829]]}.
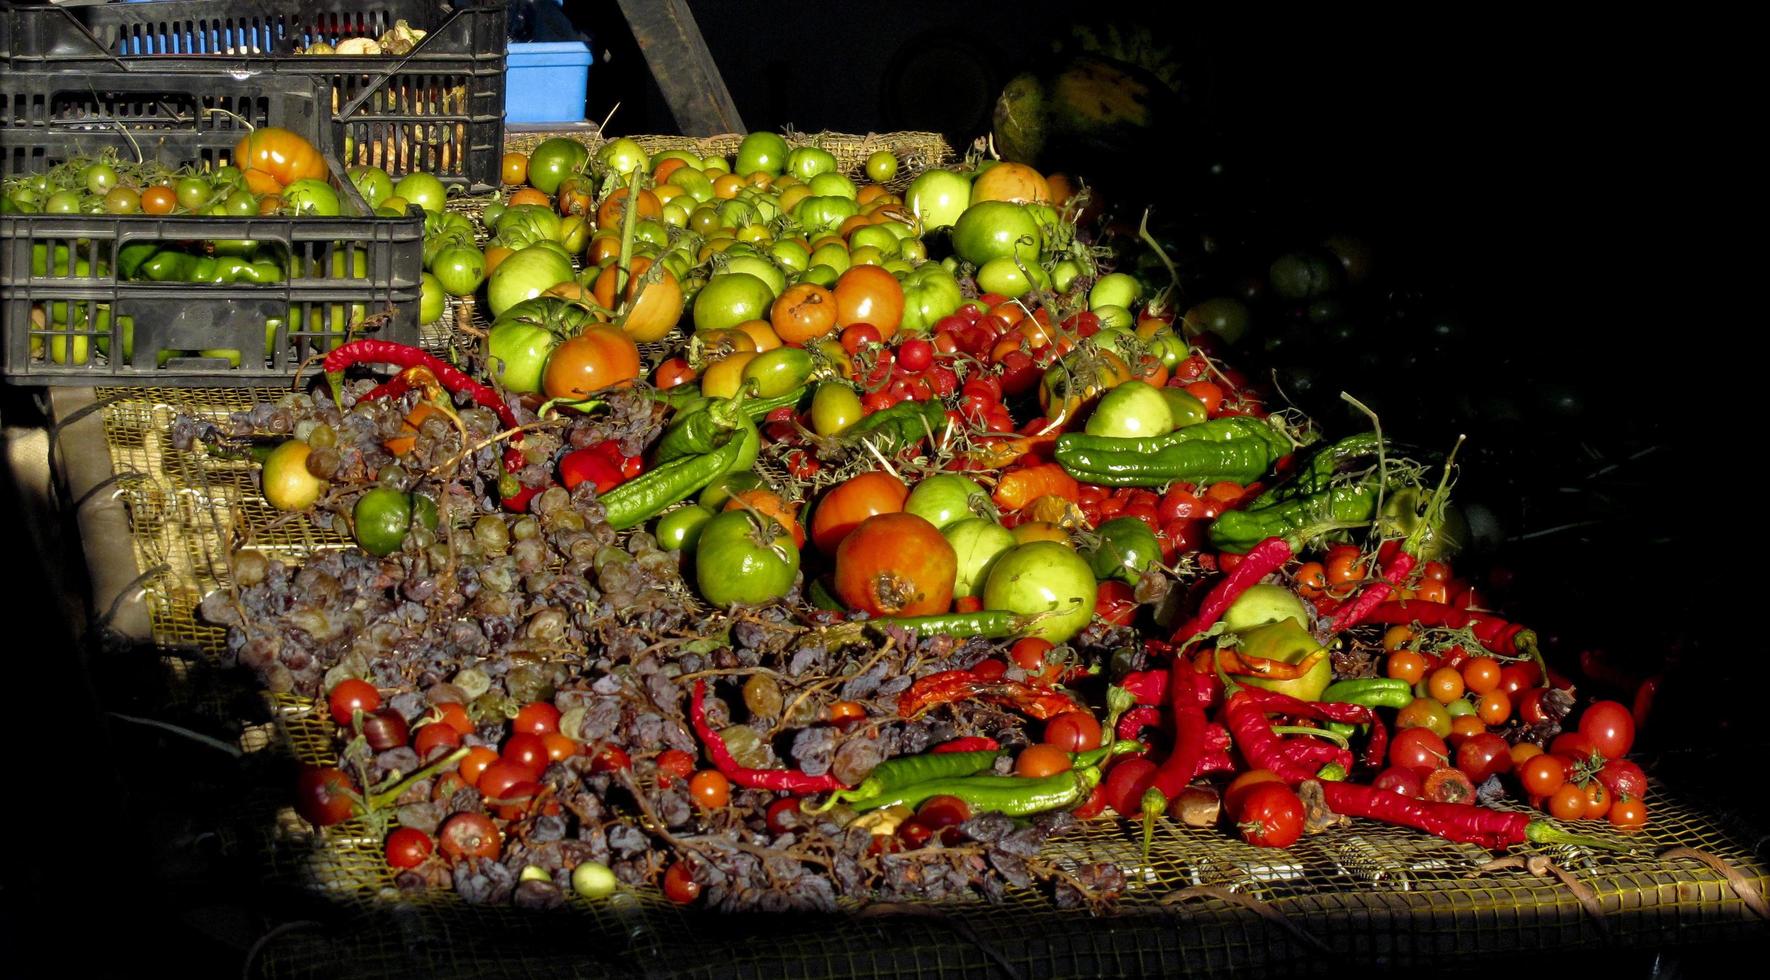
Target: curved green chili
{"points": [[1015, 796], [910, 770], [645, 497]]}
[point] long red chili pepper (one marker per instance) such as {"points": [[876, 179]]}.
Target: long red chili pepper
{"points": [[1465, 823], [963, 685], [369, 351], [1146, 686], [789, 780], [1294, 760], [1495, 633], [1261, 560], [1194, 753]]}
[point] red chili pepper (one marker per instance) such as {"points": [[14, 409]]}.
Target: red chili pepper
{"points": [[1147, 686], [789, 780], [1132, 722], [590, 465], [1261, 560], [1495, 633], [1194, 753], [975, 743], [446, 374], [962, 685]]}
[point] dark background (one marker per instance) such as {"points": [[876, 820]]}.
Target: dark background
{"points": [[1517, 174]]}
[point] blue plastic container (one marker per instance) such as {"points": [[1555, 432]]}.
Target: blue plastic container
{"points": [[546, 82]]}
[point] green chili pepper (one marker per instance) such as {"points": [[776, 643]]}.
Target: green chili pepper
{"points": [[757, 408], [130, 258], [820, 595], [261, 271], [206, 269], [1236, 531], [903, 424], [1237, 461], [1372, 692], [1015, 796], [683, 398], [910, 770], [1318, 474], [991, 624], [1094, 757], [645, 497], [698, 432], [169, 266]]}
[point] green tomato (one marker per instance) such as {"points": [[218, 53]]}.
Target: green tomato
{"points": [[833, 184], [698, 186], [1127, 548], [62, 202], [790, 255], [1115, 316], [929, 293], [994, 229], [1005, 277], [397, 207], [432, 300], [1184, 408], [1115, 289], [1044, 577], [555, 160], [727, 486], [593, 880], [1167, 345], [381, 519], [806, 162], [728, 300], [527, 224], [459, 269], [423, 190], [1064, 275], [194, 193], [1264, 603], [944, 499], [622, 156], [866, 255], [738, 561], [834, 407], [309, 197], [761, 268], [680, 529], [778, 371], [525, 274], [938, 198], [1225, 316], [372, 183], [875, 236], [833, 255], [821, 275], [881, 166], [716, 165], [1403, 512], [821, 214], [764, 152], [977, 543], [675, 215], [1131, 410]]}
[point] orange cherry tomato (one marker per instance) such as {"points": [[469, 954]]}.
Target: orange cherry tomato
{"points": [[1041, 760], [710, 788], [514, 169], [159, 200], [613, 209], [869, 294], [1406, 665]]}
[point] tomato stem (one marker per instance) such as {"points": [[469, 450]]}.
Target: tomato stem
{"points": [[391, 793], [1544, 832]]}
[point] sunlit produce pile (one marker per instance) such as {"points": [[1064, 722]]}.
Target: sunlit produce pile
{"points": [[789, 540]]}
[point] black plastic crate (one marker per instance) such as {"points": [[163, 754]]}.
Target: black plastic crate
{"points": [[439, 108], [70, 319]]}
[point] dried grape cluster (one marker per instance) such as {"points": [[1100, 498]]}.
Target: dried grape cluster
{"points": [[494, 611]]}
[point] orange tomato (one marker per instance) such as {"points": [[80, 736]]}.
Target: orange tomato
{"points": [[528, 195], [573, 292], [1014, 182], [661, 174], [600, 357], [896, 565], [496, 254], [871, 192], [259, 182], [1031, 531], [724, 377], [286, 156], [802, 313], [769, 503], [848, 504], [514, 169], [727, 186], [1041, 760], [604, 247], [850, 223], [869, 294], [1061, 189], [658, 304], [159, 200], [674, 371], [759, 333], [613, 208]]}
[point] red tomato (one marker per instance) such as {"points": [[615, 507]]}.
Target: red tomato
{"points": [[323, 795], [1271, 816], [613, 758], [527, 751], [1126, 783], [674, 764], [470, 835], [536, 718], [500, 777], [1115, 603], [1418, 748], [1400, 779], [1567, 803], [1236, 793], [350, 696], [1628, 815], [475, 763], [710, 789], [783, 815], [1597, 798], [434, 736], [1094, 807], [939, 812], [1029, 654], [1449, 786], [1575, 745], [848, 504], [559, 747], [1073, 731], [1542, 774], [1624, 779], [1610, 727], [1484, 755], [1039, 761], [407, 848]]}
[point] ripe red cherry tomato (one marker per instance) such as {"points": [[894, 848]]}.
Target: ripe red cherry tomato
{"points": [[674, 764], [710, 789], [679, 884], [407, 848], [1418, 748], [1484, 755], [1271, 816], [527, 751], [1610, 727], [536, 718], [350, 696], [470, 835], [323, 795], [1073, 731]]}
